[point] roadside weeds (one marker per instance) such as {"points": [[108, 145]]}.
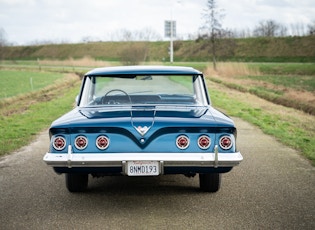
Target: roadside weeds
{"points": [[290, 126]]}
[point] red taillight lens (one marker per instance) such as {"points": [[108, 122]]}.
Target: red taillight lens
{"points": [[226, 142], [204, 142], [59, 143], [182, 142], [80, 142], [102, 142]]}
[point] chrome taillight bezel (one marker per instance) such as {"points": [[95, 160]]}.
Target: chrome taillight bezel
{"points": [[204, 142], [180, 142], [102, 146], [223, 142], [59, 143], [78, 142]]}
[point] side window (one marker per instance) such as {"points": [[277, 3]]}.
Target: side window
{"points": [[86, 91], [200, 91]]}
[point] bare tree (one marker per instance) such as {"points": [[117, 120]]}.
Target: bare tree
{"points": [[3, 43], [311, 29], [283, 31], [269, 28], [242, 33], [212, 25], [298, 29], [146, 34]]}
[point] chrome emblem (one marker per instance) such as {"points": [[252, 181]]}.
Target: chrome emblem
{"points": [[142, 130]]}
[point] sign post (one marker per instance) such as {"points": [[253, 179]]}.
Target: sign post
{"points": [[170, 32]]}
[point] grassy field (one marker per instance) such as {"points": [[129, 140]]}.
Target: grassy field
{"points": [[240, 90], [22, 117], [231, 88], [280, 49], [284, 68], [13, 83], [292, 128], [271, 82]]}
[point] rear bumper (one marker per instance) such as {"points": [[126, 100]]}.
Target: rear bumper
{"points": [[166, 160]]}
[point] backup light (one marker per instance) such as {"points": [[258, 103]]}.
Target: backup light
{"points": [[80, 142], [59, 143], [182, 142]]}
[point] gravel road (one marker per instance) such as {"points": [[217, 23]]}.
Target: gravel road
{"points": [[273, 188]]}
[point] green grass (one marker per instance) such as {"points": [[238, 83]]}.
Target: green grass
{"points": [[19, 129], [258, 90], [285, 68], [290, 81], [285, 130], [290, 90], [13, 83]]}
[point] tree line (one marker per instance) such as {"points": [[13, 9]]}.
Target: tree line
{"points": [[212, 31], [272, 28], [265, 28]]}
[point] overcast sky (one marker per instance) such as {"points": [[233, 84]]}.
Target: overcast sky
{"points": [[26, 21]]}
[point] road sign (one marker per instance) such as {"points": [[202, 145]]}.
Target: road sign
{"points": [[170, 28]]}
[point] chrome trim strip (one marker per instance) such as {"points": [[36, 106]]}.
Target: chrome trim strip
{"points": [[165, 159], [123, 167], [216, 156], [161, 167], [69, 156]]}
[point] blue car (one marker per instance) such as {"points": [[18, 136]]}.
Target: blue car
{"points": [[143, 121]]}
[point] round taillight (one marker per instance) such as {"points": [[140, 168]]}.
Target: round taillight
{"points": [[182, 142], [226, 142], [59, 143], [102, 142], [80, 142], [204, 142]]}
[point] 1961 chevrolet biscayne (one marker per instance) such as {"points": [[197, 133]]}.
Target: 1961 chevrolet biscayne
{"points": [[143, 121]]}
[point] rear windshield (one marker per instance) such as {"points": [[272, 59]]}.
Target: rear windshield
{"points": [[143, 89]]}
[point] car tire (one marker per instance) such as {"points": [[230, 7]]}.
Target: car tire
{"points": [[76, 182], [210, 182]]}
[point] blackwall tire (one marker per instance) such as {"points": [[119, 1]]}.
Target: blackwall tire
{"points": [[76, 182], [210, 182]]}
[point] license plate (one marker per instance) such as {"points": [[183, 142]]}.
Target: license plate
{"points": [[143, 168]]}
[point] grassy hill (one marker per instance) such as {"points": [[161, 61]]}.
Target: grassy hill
{"points": [[287, 49]]}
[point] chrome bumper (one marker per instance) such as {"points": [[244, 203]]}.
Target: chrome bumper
{"points": [[215, 159]]}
